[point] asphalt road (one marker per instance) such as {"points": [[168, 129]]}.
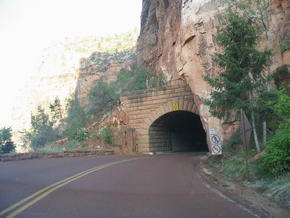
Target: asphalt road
{"points": [[146, 186]]}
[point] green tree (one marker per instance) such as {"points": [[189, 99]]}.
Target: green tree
{"points": [[6, 144], [56, 111], [242, 66], [102, 96], [75, 121], [260, 12], [277, 158], [41, 131], [40, 119]]}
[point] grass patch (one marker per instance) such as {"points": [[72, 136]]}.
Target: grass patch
{"points": [[75, 144], [278, 188], [49, 149], [233, 164], [71, 145]]}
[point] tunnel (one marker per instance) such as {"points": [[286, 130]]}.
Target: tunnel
{"points": [[177, 131]]}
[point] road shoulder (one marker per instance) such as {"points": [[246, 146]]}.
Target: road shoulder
{"points": [[240, 194]]}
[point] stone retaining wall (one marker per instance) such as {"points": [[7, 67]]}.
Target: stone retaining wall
{"points": [[35, 155]]}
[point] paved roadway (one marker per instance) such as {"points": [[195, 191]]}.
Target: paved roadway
{"points": [[149, 186]]}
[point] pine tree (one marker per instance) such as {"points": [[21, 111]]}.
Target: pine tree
{"points": [[6, 144], [259, 11], [56, 111], [242, 66]]}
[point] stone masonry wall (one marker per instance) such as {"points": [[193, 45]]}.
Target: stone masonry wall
{"points": [[145, 106]]}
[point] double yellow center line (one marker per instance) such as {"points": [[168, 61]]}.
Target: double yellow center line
{"points": [[27, 202]]}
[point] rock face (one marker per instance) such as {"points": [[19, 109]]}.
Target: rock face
{"points": [[101, 66], [69, 68], [177, 39]]}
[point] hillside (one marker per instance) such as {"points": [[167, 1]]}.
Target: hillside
{"points": [[69, 66]]}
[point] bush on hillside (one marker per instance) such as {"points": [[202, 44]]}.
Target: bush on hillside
{"points": [[277, 158], [75, 121], [107, 135], [104, 96]]}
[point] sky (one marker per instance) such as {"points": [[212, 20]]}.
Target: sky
{"points": [[27, 27]]}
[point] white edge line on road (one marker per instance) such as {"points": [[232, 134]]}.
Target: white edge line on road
{"points": [[219, 193]]}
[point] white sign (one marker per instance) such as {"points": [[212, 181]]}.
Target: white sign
{"points": [[215, 142], [216, 149]]}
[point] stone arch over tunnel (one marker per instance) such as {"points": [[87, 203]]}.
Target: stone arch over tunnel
{"points": [[144, 107], [186, 110], [177, 131]]}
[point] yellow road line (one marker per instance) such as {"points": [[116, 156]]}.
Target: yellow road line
{"points": [[37, 196], [37, 193]]}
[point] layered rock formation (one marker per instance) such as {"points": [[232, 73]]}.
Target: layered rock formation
{"points": [[177, 39], [69, 68], [101, 66]]}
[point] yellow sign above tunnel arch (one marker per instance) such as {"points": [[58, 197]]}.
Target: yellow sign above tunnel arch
{"points": [[175, 106]]}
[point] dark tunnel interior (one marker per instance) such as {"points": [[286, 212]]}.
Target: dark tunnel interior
{"points": [[178, 131]]}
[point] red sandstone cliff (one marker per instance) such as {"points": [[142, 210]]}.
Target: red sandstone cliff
{"points": [[177, 39]]}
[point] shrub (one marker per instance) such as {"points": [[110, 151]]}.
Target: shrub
{"points": [[75, 121], [72, 145], [277, 158], [139, 78], [76, 131], [102, 96], [285, 43], [107, 135], [6, 144], [235, 140], [42, 136]]}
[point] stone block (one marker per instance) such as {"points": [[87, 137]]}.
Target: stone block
{"points": [[189, 106], [185, 105], [286, 58]]}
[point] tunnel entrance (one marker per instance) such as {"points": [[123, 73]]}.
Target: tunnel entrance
{"points": [[177, 131]]}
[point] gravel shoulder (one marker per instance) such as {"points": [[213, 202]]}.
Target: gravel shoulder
{"points": [[242, 195]]}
